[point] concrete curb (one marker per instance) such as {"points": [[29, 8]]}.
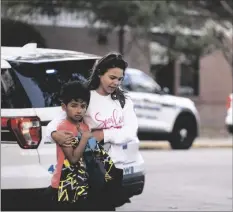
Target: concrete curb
{"points": [[150, 145]]}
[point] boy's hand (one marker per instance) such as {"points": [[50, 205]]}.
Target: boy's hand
{"points": [[63, 137]]}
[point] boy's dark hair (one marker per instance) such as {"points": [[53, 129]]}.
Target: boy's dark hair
{"points": [[74, 90]]}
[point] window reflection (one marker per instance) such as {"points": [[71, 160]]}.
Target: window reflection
{"points": [[42, 86], [141, 82]]}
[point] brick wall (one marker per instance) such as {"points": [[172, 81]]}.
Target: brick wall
{"points": [[215, 85], [215, 78]]}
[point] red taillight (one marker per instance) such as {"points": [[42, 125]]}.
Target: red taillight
{"points": [[26, 129], [4, 122], [229, 102]]}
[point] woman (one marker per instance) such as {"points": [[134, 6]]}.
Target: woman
{"points": [[110, 114]]}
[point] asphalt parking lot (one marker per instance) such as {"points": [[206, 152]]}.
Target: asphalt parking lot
{"points": [[199, 179]]}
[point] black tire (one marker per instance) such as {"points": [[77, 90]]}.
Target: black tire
{"points": [[187, 123], [230, 129]]}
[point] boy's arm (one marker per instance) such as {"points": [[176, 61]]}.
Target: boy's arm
{"points": [[74, 155]]}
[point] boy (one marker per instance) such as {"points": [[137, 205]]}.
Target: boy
{"points": [[69, 181], [70, 178]]}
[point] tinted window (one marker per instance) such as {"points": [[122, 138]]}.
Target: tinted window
{"points": [[12, 92], [126, 83], [42, 82], [141, 82]]}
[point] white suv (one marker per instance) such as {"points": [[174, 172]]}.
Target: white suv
{"points": [[31, 79], [229, 118], [164, 116]]}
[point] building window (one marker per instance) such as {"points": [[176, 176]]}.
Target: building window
{"points": [[189, 78]]}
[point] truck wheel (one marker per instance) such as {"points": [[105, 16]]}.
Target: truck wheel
{"points": [[184, 133]]}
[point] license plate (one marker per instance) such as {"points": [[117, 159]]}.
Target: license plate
{"points": [[128, 170]]}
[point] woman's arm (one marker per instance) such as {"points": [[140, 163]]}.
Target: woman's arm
{"points": [[125, 134], [74, 155], [61, 137]]}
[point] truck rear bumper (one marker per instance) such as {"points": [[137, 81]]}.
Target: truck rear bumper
{"points": [[134, 184]]}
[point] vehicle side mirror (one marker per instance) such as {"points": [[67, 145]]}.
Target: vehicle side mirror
{"points": [[166, 90]]}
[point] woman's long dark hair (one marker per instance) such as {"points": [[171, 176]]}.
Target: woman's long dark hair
{"points": [[111, 60]]}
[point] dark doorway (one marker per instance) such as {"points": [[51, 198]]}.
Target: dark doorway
{"points": [[164, 75]]}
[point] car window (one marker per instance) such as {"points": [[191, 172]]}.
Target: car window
{"points": [[126, 83], [42, 82], [141, 82], [12, 93]]}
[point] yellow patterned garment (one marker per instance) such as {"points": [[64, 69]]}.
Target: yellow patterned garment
{"points": [[107, 161], [100, 166], [74, 180]]}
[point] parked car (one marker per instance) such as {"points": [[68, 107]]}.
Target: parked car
{"points": [[229, 118], [31, 79], [167, 117]]}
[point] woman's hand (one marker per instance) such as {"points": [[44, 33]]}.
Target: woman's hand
{"points": [[87, 134], [62, 137], [98, 134]]}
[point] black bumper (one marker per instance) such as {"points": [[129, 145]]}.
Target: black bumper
{"points": [[134, 184], [29, 199], [21, 199], [230, 128]]}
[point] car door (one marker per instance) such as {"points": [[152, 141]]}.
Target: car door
{"points": [[20, 161], [42, 83], [148, 100]]}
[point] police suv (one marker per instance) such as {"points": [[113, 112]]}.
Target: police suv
{"points": [[31, 79], [164, 116]]}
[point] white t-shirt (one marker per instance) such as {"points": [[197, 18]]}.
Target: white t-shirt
{"points": [[119, 124]]}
